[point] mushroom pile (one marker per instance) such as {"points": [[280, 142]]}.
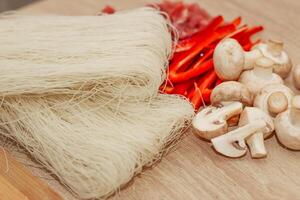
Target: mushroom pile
{"points": [[252, 103]]}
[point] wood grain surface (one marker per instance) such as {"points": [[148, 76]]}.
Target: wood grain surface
{"points": [[17, 183], [20, 182], [193, 170]]}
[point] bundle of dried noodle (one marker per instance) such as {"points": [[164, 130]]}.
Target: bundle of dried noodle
{"points": [[81, 95]]}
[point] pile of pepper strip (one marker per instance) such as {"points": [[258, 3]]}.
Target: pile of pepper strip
{"points": [[191, 71]]}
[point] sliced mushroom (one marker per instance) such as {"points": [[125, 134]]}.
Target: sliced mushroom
{"points": [[273, 50], [230, 59], [287, 125], [231, 91], [232, 144], [211, 121], [273, 99], [296, 76], [256, 141], [260, 76]]}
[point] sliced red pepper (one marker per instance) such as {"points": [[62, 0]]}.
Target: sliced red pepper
{"points": [[208, 81], [207, 36], [182, 88], [246, 37], [191, 73], [197, 99], [167, 89], [206, 95], [237, 21], [219, 81], [238, 33], [108, 10]]}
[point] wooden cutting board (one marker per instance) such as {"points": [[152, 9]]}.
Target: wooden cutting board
{"points": [[17, 183], [194, 171]]}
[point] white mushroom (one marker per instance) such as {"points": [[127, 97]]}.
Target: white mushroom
{"points": [[287, 125], [256, 141], [232, 144], [296, 76], [274, 51], [231, 91], [272, 99], [211, 121], [260, 76], [230, 59], [277, 103]]}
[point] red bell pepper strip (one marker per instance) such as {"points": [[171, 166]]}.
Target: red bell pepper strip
{"points": [[199, 69], [208, 35], [206, 95], [209, 80], [219, 81], [246, 37], [188, 43], [238, 33], [182, 88], [196, 96], [237, 21], [108, 10]]}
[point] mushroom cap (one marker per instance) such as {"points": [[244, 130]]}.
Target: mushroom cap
{"points": [[251, 114], [277, 102], [231, 91], [255, 83], [287, 133], [261, 99], [228, 59], [211, 121], [274, 51], [296, 76]]}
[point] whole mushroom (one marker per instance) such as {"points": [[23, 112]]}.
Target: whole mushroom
{"points": [[231, 91], [273, 50], [230, 59], [260, 76], [211, 121], [273, 99], [296, 76], [256, 141], [287, 125]]}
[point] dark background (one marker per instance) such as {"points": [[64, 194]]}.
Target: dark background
{"points": [[13, 4]]}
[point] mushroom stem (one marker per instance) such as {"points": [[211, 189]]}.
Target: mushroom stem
{"points": [[256, 145], [250, 58], [295, 111], [263, 68], [275, 47]]}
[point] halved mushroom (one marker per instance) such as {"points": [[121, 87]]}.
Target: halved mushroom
{"points": [[256, 141], [273, 50], [273, 99], [211, 121], [230, 59], [231, 91], [287, 125], [296, 76], [260, 76], [232, 144]]}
